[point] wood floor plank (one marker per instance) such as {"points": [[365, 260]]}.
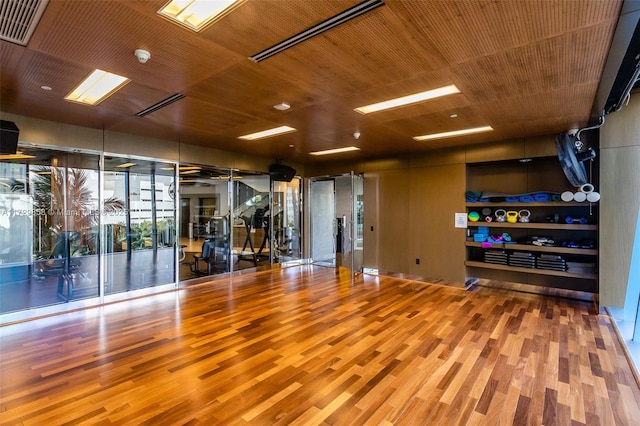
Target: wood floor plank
{"points": [[306, 345]]}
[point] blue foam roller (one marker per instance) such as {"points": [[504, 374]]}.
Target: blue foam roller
{"points": [[542, 197]]}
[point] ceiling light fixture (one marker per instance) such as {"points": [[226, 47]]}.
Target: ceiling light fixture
{"points": [[197, 14], [453, 133], [283, 106], [125, 165], [409, 99], [96, 87], [268, 133], [335, 151], [17, 156]]}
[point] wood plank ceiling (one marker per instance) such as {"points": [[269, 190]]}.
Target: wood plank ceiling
{"points": [[526, 68]]}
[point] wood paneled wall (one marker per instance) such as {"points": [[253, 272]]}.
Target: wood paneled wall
{"points": [[436, 194], [619, 203]]}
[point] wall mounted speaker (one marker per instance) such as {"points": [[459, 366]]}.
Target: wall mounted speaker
{"points": [[8, 137], [281, 173]]}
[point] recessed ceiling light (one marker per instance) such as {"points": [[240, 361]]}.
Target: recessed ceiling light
{"points": [[453, 115], [267, 133], [46, 88], [409, 99], [453, 133], [125, 165], [335, 151], [96, 87], [282, 106], [197, 14]]}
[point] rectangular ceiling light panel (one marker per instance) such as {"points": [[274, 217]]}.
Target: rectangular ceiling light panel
{"points": [[19, 18], [342, 17], [453, 133], [98, 86], [409, 99], [336, 150], [267, 133], [197, 14]]}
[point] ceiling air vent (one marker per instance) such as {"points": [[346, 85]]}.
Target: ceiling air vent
{"points": [[19, 18], [163, 103], [342, 17]]}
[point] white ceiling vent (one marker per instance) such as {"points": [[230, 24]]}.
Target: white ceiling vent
{"points": [[19, 18]]}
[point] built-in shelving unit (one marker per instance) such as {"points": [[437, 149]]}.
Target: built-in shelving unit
{"points": [[573, 246]]}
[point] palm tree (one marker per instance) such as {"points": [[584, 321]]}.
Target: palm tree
{"points": [[67, 201]]}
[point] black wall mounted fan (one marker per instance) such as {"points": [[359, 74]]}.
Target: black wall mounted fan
{"points": [[572, 156]]}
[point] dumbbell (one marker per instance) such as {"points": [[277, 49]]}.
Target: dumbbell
{"points": [[572, 220]]}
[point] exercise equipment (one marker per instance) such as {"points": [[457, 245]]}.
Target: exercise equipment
{"points": [[579, 197], [593, 197], [524, 216], [486, 212], [474, 216], [542, 197], [501, 215], [575, 220], [587, 188], [566, 196], [512, 216]]}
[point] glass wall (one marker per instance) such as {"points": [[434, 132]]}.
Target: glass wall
{"points": [[82, 228], [49, 228], [251, 220], [205, 221], [72, 231], [139, 217]]}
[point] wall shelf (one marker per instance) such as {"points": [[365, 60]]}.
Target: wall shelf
{"points": [[537, 225], [536, 271], [533, 248], [532, 204]]}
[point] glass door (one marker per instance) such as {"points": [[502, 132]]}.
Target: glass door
{"points": [[324, 226], [336, 211], [286, 210]]}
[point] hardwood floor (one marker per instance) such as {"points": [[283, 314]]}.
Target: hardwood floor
{"points": [[306, 346]]}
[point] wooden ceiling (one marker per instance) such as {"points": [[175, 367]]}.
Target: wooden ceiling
{"points": [[526, 68]]}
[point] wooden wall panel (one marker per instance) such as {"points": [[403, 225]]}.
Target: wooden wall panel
{"points": [[504, 150], [620, 202], [436, 194], [46, 132], [392, 232], [123, 143]]}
